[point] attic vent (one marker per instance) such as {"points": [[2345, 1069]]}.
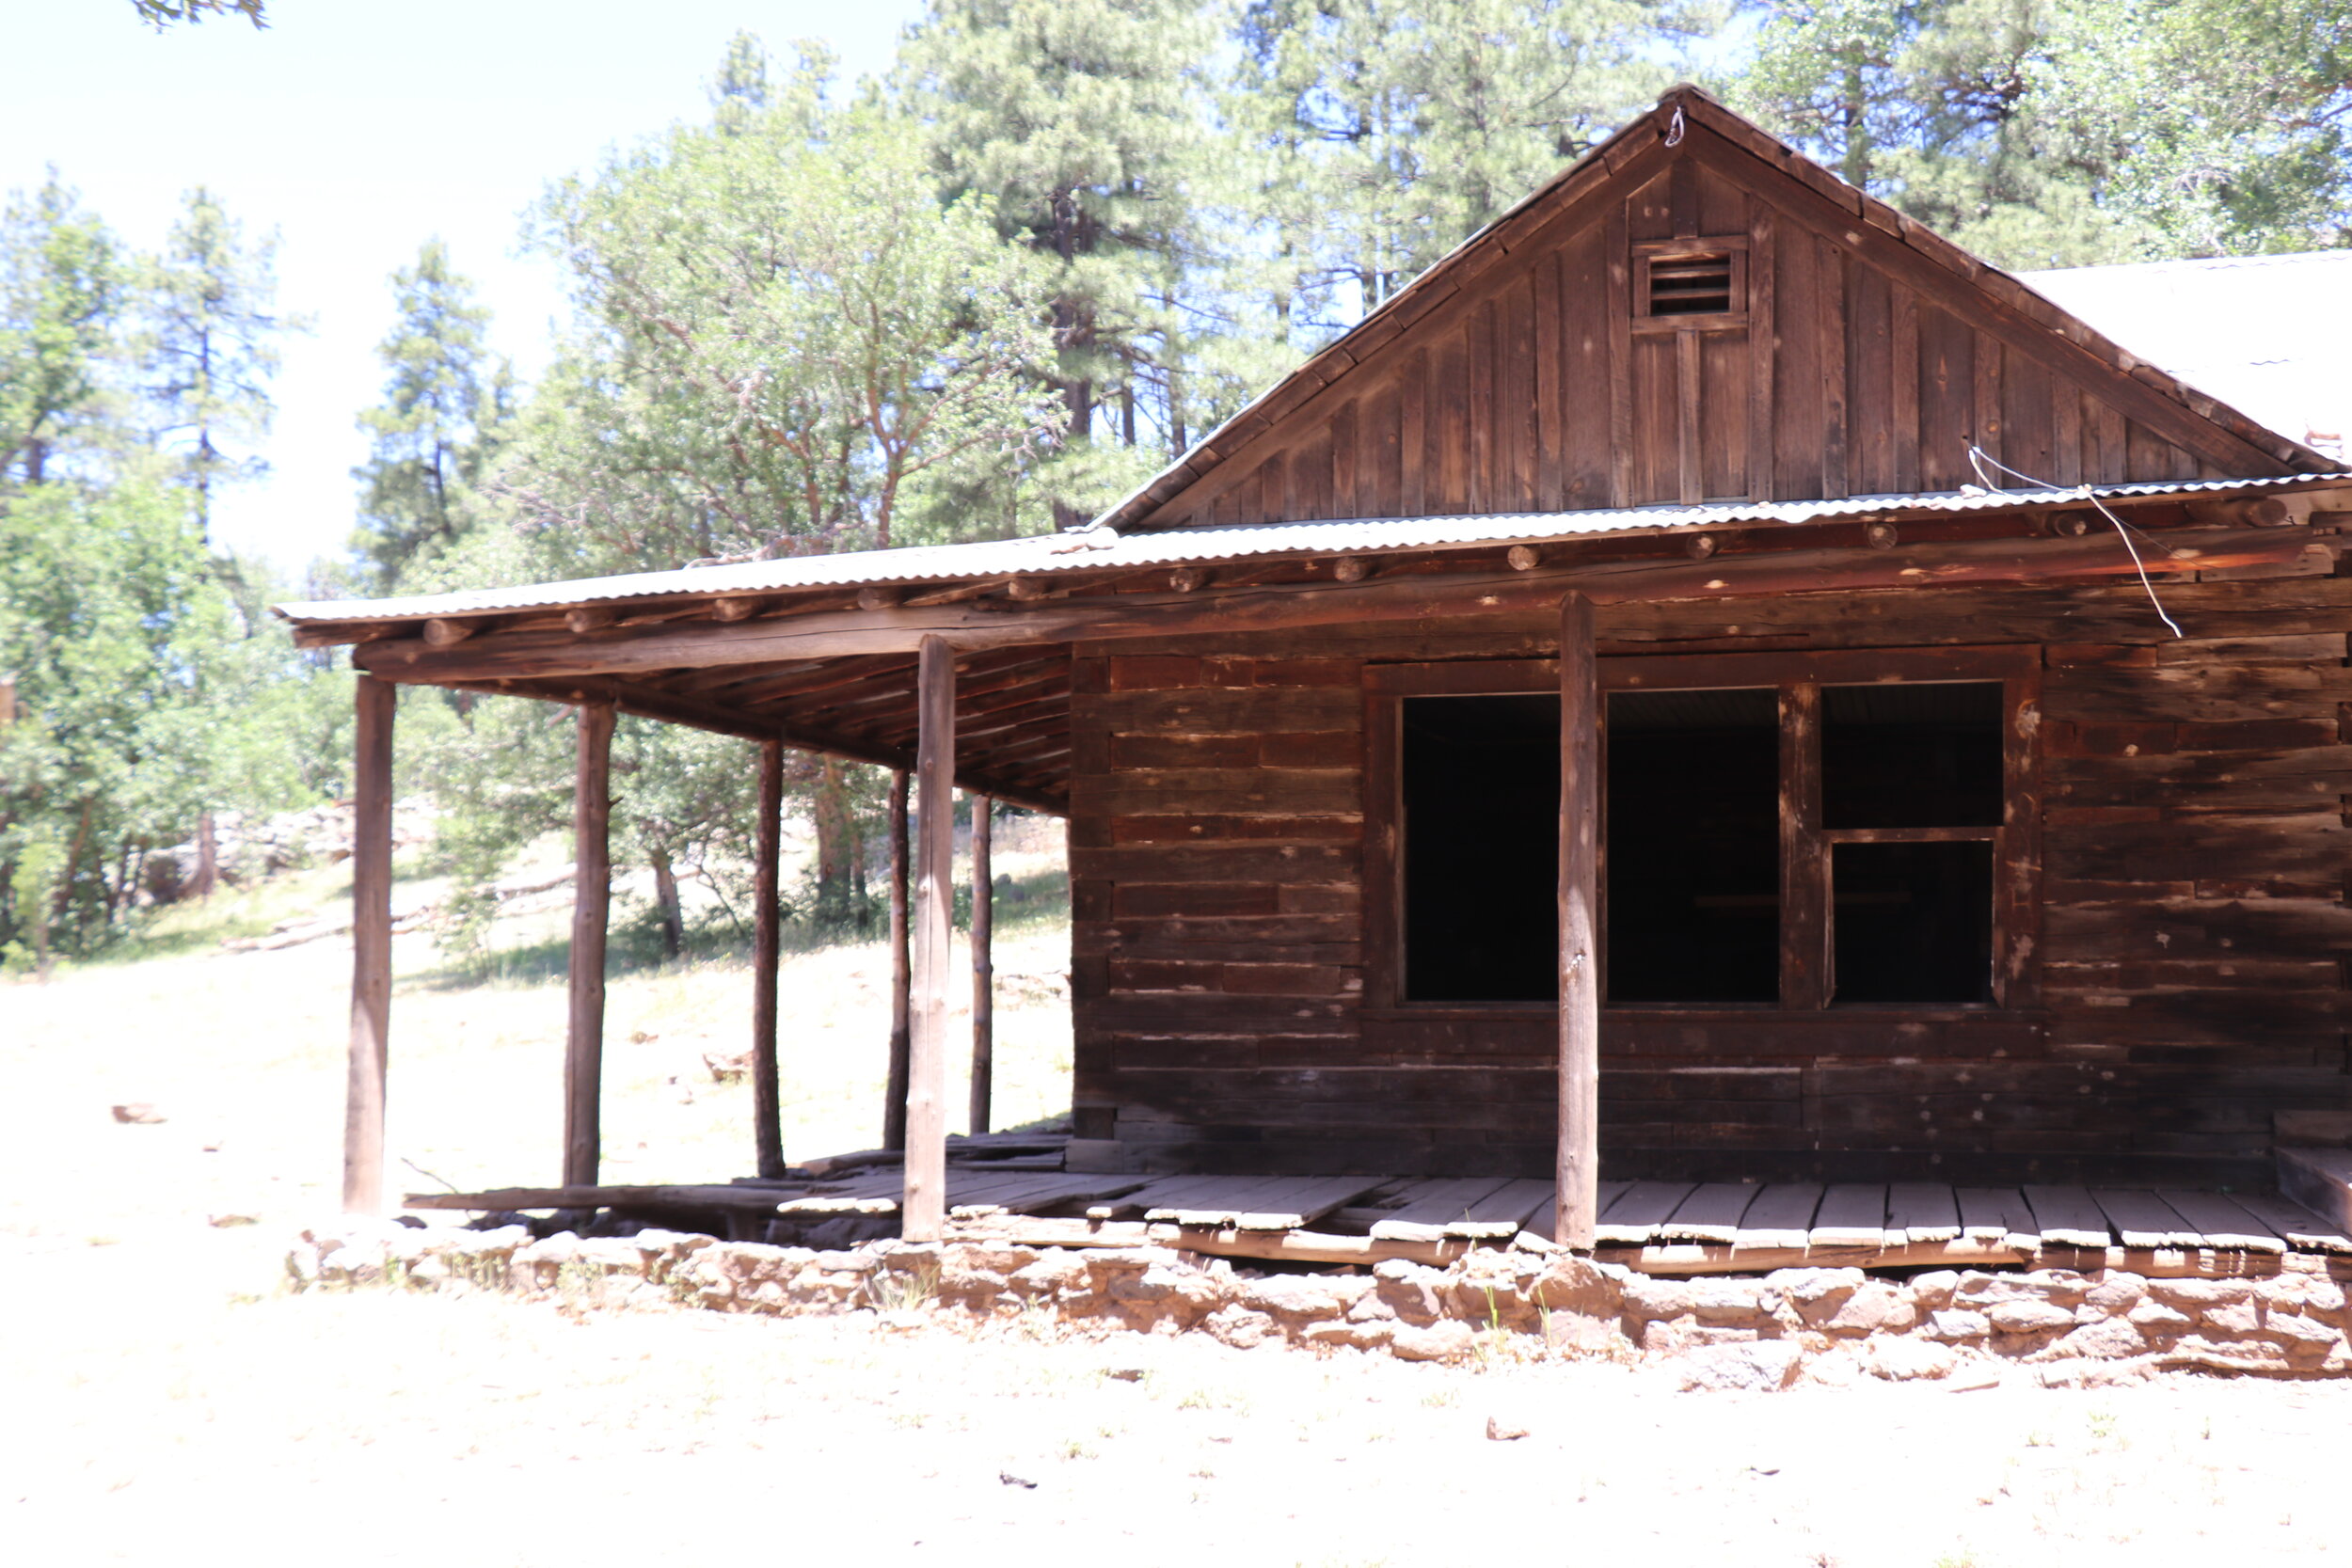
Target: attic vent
{"points": [[1679, 281], [1689, 285]]}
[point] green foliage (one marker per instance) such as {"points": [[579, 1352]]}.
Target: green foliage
{"points": [[160, 14], [448, 402], [141, 686], [1082, 126], [2047, 134], [61, 285], [1379, 135], [783, 335]]}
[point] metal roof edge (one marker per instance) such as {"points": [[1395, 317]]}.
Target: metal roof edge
{"points": [[1095, 549]]}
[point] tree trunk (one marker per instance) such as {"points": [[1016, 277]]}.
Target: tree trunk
{"points": [[666, 902], [207, 857], [834, 848]]}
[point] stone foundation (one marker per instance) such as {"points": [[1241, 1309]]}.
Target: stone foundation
{"points": [[1759, 1331]]}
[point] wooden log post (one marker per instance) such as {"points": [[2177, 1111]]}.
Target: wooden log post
{"points": [[923, 1210], [766, 852], [895, 1085], [983, 966], [592, 898], [1578, 1168], [370, 948]]}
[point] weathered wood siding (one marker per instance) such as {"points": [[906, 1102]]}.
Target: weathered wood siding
{"points": [[2193, 948], [1857, 368]]}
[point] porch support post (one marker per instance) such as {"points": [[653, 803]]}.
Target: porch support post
{"points": [[592, 898], [923, 1210], [983, 966], [370, 948], [766, 1101], [895, 1085], [1578, 1166]]}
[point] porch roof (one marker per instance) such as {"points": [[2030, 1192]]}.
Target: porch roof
{"points": [[1099, 548]]}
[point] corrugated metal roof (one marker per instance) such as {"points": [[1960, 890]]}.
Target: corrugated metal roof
{"points": [[1098, 549], [2268, 334]]}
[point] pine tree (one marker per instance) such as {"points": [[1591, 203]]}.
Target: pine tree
{"points": [[1379, 135], [61, 289], [213, 346], [2040, 134], [448, 399], [1081, 124]]}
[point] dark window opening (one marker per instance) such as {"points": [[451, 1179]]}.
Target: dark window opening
{"points": [[1911, 754], [1690, 285], [1912, 922], [1482, 846], [1694, 847]]}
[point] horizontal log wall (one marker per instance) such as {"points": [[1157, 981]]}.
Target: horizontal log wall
{"points": [[2193, 951]]}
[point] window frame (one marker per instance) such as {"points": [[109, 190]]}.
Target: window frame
{"points": [[1807, 935]]}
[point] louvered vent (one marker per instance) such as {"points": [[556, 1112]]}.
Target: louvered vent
{"points": [[1692, 285]]}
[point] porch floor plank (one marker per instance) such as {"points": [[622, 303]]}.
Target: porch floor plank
{"points": [[2066, 1217], [1997, 1216], [1923, 1212], [1163, 1189], [1220, 1202], [1639, 1210], [1504, 1212], [2223, 1223], [1545, 1221], [1781, 1217], [1711, 1214], [1301, 1200], [1853, 1215], [1429, 1206], [2141, 1219], [2304, 1230], [1045, 1192]]}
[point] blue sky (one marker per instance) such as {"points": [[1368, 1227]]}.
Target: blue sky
{"points": [[356, 131]]}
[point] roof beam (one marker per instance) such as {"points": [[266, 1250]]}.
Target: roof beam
{"points": [[998, 624]]}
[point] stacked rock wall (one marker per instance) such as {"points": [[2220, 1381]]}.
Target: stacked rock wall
{"points": [[1762, 1331]]}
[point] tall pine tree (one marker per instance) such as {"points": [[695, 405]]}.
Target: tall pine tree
{"points": [[1081, 125], [213, 346], [448, 399]]}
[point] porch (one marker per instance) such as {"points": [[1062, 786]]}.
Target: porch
{"points": [[1013, 1189]]}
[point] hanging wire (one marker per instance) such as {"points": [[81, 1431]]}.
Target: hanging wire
{"points": [[1673, 128], [1979, 459]]}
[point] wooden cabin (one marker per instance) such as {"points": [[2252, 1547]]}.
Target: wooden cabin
{"points": [[1709, 682]]}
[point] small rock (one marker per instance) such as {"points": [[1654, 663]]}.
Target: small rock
{"points": [[138, 1114], [1124, 1375], [1501, 1428], [1764, 1364], [223, 1222], [1011, 1480]]}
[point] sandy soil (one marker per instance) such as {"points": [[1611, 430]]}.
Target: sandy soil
{"points": [[165, 1400]]}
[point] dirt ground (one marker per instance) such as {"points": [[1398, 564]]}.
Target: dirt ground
{"points": [[165, 1400]]}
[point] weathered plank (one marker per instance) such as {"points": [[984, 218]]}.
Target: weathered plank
{"points": [[1997, 1214], [1634, 1219], [2141, 1219], [1923, 1212], [1712, 1212], [1853, 1215], [1781, 1217], [2223, 1223], [2066, 1216]]}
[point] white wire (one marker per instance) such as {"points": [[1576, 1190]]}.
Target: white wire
{"points": [[1978, 458]]}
